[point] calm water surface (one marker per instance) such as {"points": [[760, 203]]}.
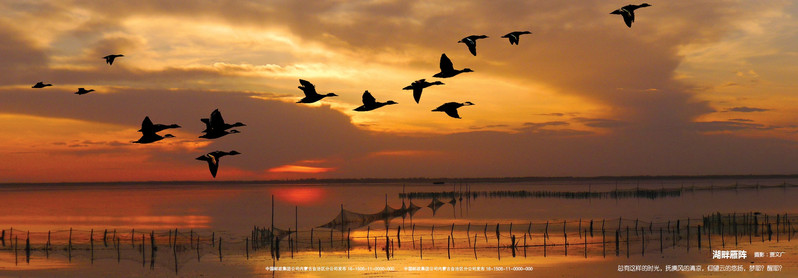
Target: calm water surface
{"points": [[230, 211]]}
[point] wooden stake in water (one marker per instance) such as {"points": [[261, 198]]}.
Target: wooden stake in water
{"points": [[546, 232], [524, 245], [143, 258], [398, 237], [585, 244], [118, 252], [617, 243], [627, 242], [27, 248], [433, 235], [468, 234], [698, 228], [544, 246], [603, 244], [498, 242], [643, 242], [348, 246], [69, 248], [220, 249], [91, 240], [485, 232], [387, 248], [565, 245], [246, 247], [475, 246], [448, 252], [47, 246], [512, 244]]}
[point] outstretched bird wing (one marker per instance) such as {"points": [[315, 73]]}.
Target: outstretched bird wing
{"points": [[417, 93], [472, 46], [628, 18], [513, 38], [207, 122], [368, 99], [213, 164], [307, 88], [217, 122], [446, 64], [146, 126], [452, 113]]}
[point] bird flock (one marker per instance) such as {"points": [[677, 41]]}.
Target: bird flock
{"points": [[216, 127]]}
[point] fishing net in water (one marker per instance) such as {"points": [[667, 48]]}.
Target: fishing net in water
{"points": [[347, 219]]}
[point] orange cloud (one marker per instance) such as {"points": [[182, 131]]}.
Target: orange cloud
{"points": [[300, 169]]}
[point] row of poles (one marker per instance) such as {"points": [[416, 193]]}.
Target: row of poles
{"points": [[739, 225]]}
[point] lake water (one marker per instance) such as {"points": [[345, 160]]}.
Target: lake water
{"points": [[112, 228]]}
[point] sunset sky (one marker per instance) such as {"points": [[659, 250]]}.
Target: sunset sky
{"points": [[694, 88]]}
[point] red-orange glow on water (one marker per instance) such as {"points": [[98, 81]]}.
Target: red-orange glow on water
{"points": [[300, 195]]}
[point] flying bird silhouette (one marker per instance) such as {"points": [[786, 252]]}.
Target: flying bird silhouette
{"points": [[310, 92], [156, 127], [213, 159], [447, 68], [450, 108], [110, 58], [628, 12], [217, 122], [41, 85], [82, 91], [370, 103], [471, 42], [514, 36], [148, 133], [215, 126], [418, 86]]}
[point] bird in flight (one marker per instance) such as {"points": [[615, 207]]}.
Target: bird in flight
{"points": [[148, 132], [156, 127], [370, 103], [418, 86], [450, 108], [471, 42], [628, 12], [447, 68], [82, 91], [110, 58], [41, 85], [310, 92], [514, 36], [215, 126], [213, 159]]}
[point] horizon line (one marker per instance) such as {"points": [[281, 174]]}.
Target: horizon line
{"points": [[427, 179]]}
